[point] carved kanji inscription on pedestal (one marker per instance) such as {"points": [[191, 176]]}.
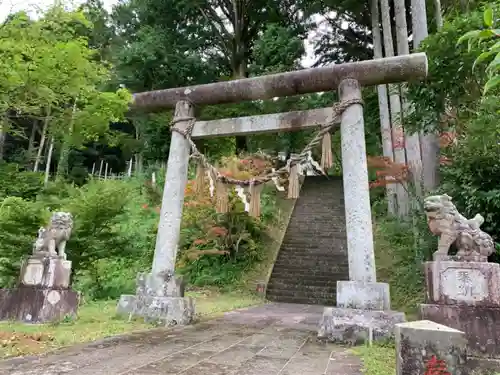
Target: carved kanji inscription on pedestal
{"points": [[467, 285]]}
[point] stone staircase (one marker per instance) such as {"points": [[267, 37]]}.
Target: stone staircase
{"points": [[313, 254]]}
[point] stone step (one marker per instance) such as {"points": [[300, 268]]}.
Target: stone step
{"points": [[283, 274], [307, 268], [305, 301], [309, 279], [327, 250], [323, 292], [330, 287], [312, 255]]}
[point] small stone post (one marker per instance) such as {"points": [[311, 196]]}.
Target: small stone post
{"points": [[160, 295], [424, 347]]}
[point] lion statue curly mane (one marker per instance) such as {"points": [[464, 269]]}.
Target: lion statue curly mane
{"points": [[55, 235], [445, 221]]}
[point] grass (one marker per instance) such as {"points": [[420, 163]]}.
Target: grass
{"points": [[97, 320], [377, 360]]}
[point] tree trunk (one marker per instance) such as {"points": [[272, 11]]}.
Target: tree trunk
{"points": [[239, 64], [412, 141], [398, 143], [429, 142], [62, 165], [138, 156], [383, 103], [31, 143], [3, 137], [437, 14], [49, 160], [42, 140]]}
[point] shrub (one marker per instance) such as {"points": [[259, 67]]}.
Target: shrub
{"points": [[19, 223], [14, 182]]}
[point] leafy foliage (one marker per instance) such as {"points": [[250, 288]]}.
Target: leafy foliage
{"points": [[492, 32]]}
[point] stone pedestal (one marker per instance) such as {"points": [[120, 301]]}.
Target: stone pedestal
{"points": [[465, 295], [357, 326], [363, 295], [424, 346], [43, 294], [49, 272], [157, 301]]}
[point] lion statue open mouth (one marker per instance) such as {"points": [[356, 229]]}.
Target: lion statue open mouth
{"points": [[445, 221], [55, 235]]}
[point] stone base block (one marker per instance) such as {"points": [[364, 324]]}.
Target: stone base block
{"points": [[354, 326], [480, 324], [362, 295], [163, 310], [423, 345], [465, 282], [483, 366], [38, 305], [46, 271], [149, 285]]}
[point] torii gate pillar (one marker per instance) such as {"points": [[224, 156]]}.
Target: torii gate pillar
{"points": [[363, 304]]}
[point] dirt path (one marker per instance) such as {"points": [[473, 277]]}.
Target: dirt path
{"points": [[266, 340]]}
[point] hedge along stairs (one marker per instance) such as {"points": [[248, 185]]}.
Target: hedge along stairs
{"points": [[313, 254]]}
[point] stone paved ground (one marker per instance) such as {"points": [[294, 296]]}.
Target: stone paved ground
{"points": [[266, 340]]}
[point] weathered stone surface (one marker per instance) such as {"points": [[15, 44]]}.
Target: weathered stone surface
{"points": [[354, 326], [445, 221], [148, 285], [45, 271], [126, 304], [459, 258], [418, 342], [480, 324], [356, 190], [363, 295], [162, 310], [160, 301], [262, 340], [304, 81], [469, 283], [38, 305]]}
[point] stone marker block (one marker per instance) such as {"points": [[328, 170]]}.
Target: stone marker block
{"points": [[151, 286], [480, 324], [463, 283], [421, 343], [363, 295], [160, 301], [355, 326], [47, 272], [163, 310], [38, 305]]}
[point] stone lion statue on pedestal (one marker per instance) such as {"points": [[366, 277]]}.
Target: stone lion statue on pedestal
{"points": [[445, 221], [55, 235]]}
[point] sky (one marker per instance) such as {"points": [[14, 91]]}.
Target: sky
{"points": [[34, 6]]}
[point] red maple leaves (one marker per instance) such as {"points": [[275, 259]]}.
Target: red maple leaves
{"points": [[436, 366], [388, 172]]}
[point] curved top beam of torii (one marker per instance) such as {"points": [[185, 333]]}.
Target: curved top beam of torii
{"points": [[327, 78]]}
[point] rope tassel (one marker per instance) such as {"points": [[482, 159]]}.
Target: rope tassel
{"points": [[326, 152], [255, 190], [222, 198]]}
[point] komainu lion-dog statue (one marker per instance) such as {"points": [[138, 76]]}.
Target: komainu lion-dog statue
{"points": [[55, 235], [445, 221]]}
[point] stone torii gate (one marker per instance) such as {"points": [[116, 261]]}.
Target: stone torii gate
{"points": [[159, 294]]}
